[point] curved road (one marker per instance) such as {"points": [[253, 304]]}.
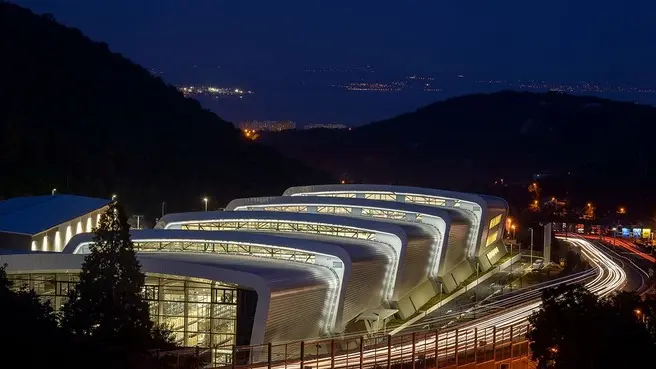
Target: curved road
{"points": [[605, 277]]}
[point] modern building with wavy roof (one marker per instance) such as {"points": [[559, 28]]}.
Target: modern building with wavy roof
{"points": [[328, 257]]}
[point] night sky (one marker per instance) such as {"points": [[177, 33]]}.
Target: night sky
{"points": [[265, 46]]}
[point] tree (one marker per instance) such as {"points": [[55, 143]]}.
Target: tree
{"points": [[576, 329], [108, 305]]}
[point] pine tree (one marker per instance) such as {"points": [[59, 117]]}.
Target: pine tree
{"points": [[108, 305]]}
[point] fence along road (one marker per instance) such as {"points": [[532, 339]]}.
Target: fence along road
{"points": [[494, 341]]}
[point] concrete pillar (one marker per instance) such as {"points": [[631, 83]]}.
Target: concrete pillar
{"points": [[547, 243]]}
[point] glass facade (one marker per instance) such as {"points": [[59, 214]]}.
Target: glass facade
{"points": [[382, 213], [264, 251], [200, 312], [293, 209], [348, 210], [279, 226], [380, 196]]}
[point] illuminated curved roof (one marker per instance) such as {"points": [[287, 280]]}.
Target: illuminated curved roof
{"points": [[390, 236], [439, 218], [481, 200], [339, 257], [476, 205], [175, 220]]}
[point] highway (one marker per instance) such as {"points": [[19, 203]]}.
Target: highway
{"points": [[636, 265], [605, 277], [491, 302], [624, 244]]}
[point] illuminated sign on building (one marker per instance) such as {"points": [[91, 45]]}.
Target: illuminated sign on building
{"points": [[646, 233]]}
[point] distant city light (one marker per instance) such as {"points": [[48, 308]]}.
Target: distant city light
{"points": [[267, 125], [582, 86], [325, 126], [195, 91]]}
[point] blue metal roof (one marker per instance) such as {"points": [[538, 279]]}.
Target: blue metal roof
{"points": [[35, 214]]}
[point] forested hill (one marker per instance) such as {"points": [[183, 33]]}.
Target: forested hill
{"points": [[78, 117], [598, 149]]}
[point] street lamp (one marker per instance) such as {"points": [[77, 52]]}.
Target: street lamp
{"points": [[206, 200], [114, 197], [531, 230], [54, 191], [639, 314]]}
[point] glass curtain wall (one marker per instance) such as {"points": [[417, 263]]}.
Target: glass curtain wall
{"points": [[200, 312]]}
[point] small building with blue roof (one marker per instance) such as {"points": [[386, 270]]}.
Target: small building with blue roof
{"points": [[47, 223]]}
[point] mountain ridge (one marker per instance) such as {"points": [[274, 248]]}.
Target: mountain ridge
{"points": [[86, 120], [469, 142]]}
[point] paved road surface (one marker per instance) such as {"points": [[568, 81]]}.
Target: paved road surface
{"points": [[636, 267]]}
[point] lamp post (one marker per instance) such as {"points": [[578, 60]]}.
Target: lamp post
{"points": [[511, 262], [206, 200], [440, 291], [54, 191], [114, 197], [476, 291], [531, 230]]}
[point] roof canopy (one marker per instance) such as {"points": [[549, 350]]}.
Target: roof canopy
{"points": [[35, 214]]}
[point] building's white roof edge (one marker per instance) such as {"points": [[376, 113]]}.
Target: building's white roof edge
{"points": [[255, 238], [445, 213], [326, 219], [481, 200]]}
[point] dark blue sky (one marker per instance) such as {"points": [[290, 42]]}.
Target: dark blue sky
{"points": [[264, 45]]}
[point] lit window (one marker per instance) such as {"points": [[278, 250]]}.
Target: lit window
{"points": [[492, 253], [491, 238], [58, 245], [495, 221], [69, 234]]}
